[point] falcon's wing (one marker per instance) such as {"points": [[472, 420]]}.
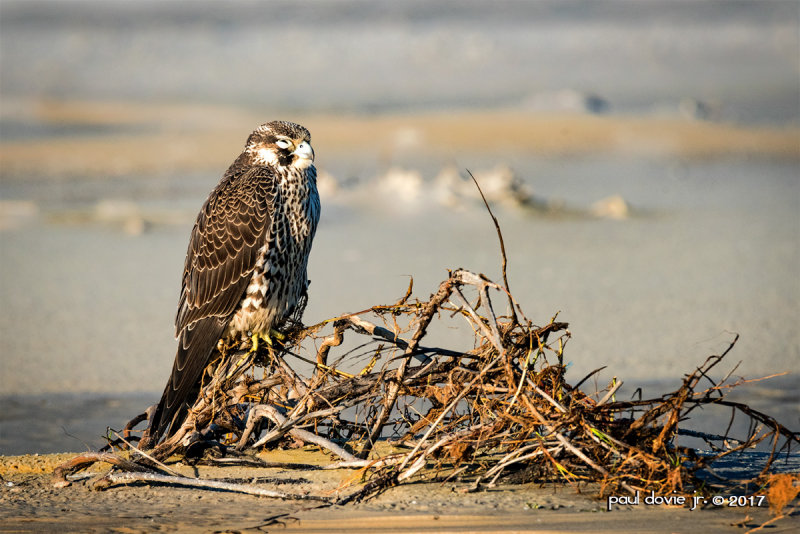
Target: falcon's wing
{"points": [[222, 255], [224, 246]]}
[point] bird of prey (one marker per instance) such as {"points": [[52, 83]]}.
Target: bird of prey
{"points": [[245, 268]]}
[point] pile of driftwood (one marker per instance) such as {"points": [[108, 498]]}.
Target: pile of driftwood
{"points": [[499, 409]]}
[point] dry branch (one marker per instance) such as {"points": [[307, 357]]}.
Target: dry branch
{"points": [[129, 477]]}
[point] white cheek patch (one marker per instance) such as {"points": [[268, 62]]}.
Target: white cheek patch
{"points": [[266, 156]]}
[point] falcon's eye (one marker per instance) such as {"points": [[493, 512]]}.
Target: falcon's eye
{"points": [[283, 143]]}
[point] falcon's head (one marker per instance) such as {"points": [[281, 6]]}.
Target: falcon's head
{"points": [[281, 143]]}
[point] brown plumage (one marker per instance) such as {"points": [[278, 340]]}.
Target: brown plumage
{"points": [[245, 268]]}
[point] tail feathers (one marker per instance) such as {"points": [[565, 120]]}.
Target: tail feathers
{"points": [[196, 344]]}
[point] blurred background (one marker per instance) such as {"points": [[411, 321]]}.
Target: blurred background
{"points": [[643, 159]]}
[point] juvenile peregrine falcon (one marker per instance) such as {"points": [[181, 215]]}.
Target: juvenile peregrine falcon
{"points": [[245, 269]]}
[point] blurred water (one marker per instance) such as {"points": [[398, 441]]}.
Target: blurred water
{"points": [[740, 59]]}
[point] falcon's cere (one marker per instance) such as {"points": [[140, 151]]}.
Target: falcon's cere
{"points": [[245, 268]]}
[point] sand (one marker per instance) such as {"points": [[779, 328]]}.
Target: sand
{"points": [[29, 503]]}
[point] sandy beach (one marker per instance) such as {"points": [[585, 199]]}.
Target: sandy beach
{"points": [[30, 503], [643, 161]]}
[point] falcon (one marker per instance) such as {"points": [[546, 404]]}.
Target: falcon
{"points": [[246, 265]]}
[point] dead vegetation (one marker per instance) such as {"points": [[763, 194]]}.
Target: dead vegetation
{"points": [[499, 410]]}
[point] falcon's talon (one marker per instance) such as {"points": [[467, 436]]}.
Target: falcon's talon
{"points": [[254, 343], [275, 334], [272, 338]]}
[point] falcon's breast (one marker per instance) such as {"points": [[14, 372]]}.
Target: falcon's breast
{"points": [[279, 278]]}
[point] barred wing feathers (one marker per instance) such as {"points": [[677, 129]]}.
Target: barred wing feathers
{"points": [[223, 250]]}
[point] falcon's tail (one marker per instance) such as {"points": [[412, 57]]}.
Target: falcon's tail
{"points": [[195, 346]]}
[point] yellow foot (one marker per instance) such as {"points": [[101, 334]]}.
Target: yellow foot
{"points": [[270, 339], [254, 345]]}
